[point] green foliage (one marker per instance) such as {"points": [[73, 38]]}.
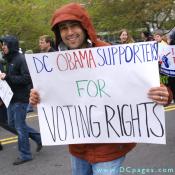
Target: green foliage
{"points": [[26, 19], [29, 19], [135, 15]]}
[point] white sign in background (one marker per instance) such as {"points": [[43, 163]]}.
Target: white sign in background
{"points": [[5, 92], [167, 58], [98, 95]]}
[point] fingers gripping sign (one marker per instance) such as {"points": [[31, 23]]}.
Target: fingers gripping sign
{"points": [[159, 95], [2, 76], [34, 97]]}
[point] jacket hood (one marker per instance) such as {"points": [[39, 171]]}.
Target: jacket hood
{"points": [[12, 43], [75, 12], [13, 46]]}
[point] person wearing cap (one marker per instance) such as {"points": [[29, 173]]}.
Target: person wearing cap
{"points": [[159, 36], [73, 29], [19, 80]]}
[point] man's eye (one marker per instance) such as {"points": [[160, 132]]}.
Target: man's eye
{"points": [[74, 24], [62, 27]]}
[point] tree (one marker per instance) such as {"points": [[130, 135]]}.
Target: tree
{"points": [[29, 19], [111, 15], [26, 19]]}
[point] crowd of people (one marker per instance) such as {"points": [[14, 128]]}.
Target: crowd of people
{"points": [[158, 35], [73, 29]]}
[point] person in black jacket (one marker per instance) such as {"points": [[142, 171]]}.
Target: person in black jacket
{"points": [[19, 80], [3, 111], [3, 116]]}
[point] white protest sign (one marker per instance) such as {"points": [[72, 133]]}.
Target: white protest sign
{"points": [[98, 95], [167, 58], [6, 93]]}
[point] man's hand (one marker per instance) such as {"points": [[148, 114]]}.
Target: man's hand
{"points": [[2, 76], [160, 95], [34, 97]]}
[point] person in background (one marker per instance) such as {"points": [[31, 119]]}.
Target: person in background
{"points": [[159, 36], [167, 79], [171, 38], [3, 110], [171, 80], [146, 36], [125, 37], [46, 44], [74, 30], [1, 148], [19, 80], [3, 116]]}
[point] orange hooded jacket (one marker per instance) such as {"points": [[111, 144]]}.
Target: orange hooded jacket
{"points": [[90, 152]]}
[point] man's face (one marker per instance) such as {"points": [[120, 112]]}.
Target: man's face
{"points": [[72, 34], [123, 37], [157, 38], [5, 48], [43, 45]]}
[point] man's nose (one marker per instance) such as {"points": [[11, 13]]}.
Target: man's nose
{"points": [[69, 30]]}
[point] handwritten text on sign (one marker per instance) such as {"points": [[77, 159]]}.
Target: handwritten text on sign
{"points": [[98, 95]]}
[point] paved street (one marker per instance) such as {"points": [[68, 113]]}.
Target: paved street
{"points": [[149, 159]]}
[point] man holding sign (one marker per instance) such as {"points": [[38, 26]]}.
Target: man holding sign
{"points": [[74, 30]]}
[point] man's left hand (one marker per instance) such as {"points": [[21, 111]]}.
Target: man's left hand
{"points": [[159, 95]]}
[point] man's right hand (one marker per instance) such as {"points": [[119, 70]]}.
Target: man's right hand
{"points": [[2, 76], [34, 97]]}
